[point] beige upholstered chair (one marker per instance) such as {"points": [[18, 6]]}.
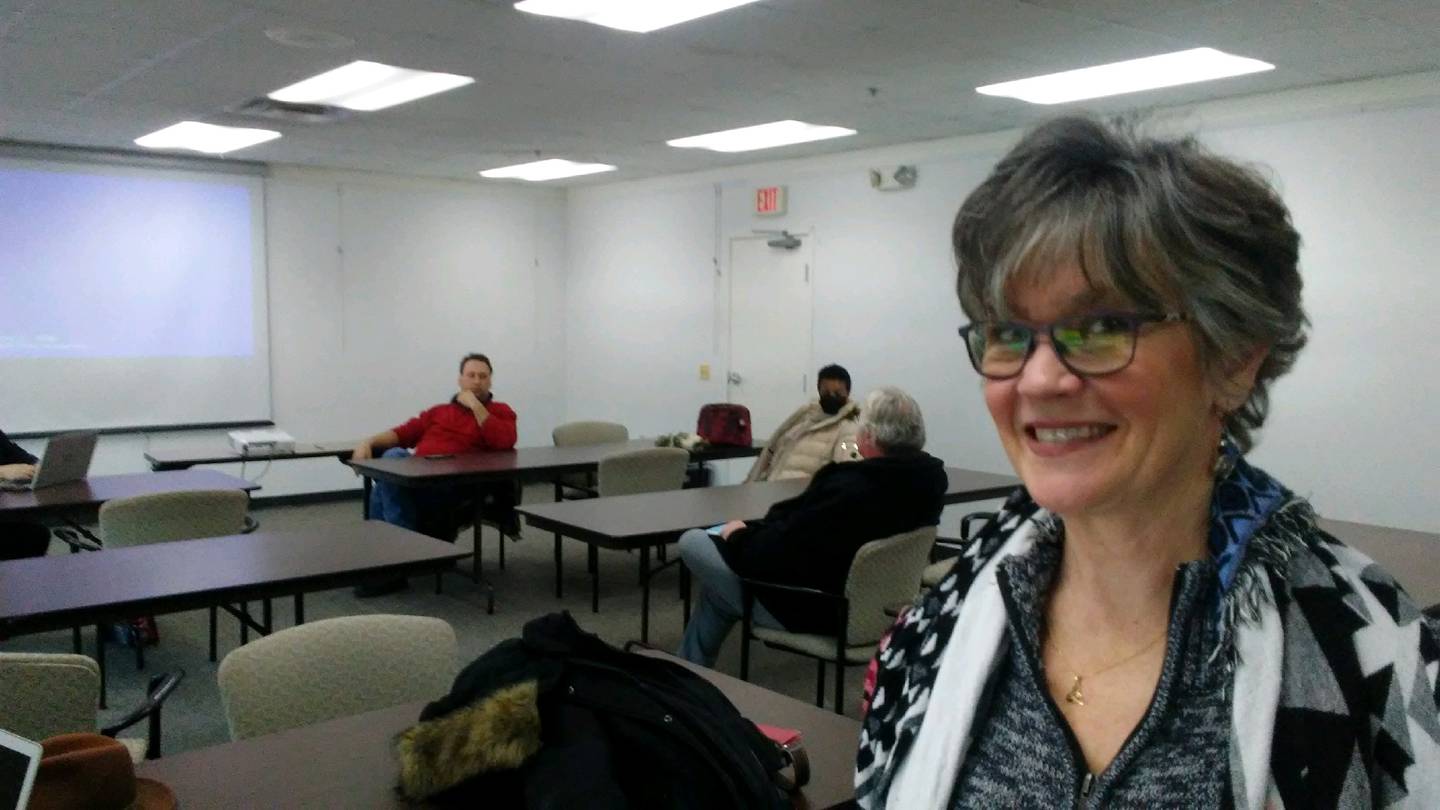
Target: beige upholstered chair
{"points": [[170, 516], [579, 433], [936, 571], [653, 469], [44, 694], [884, 572], [334, 668], [574, 434]]}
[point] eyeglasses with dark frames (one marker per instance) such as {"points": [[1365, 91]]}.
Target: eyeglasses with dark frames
{"points": [[1090, 345]]}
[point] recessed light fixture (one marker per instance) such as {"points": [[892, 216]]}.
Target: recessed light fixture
{"points": [[1130, 76], [639, 16], [366, 86], [208, 138], [540, 170], [761, 136]]}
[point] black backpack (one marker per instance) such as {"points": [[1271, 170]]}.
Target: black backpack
{"points": [[615, 730]]}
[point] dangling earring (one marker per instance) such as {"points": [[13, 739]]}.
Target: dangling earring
{"points": [[1228, 455]]}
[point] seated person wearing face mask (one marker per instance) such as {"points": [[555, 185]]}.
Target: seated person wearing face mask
{"points": [[820, 432], [19, 540]]}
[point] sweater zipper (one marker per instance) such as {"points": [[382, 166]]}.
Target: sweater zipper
{"points": [[1086, 784]]}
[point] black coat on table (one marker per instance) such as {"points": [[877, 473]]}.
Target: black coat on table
{"points": [[811, 539]]}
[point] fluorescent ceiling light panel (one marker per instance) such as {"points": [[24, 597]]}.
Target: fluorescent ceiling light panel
{"points": [[369, 86], [208, 138], [540, 170], [640, 16], [761, 136], [1133, 75]]}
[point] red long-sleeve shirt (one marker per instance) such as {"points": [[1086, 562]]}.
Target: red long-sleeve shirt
{"points": [[451, 428]]}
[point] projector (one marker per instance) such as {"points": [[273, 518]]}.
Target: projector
{"points": [[267, 442]]}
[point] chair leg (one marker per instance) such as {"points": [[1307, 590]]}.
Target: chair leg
{"points": [[214, 631], [839, 686], [75, 642], [820, 683], [500, 537], [244, 625]]}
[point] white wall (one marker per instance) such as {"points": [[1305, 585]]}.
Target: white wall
{"points": [[1349, 424], [378, 285]]}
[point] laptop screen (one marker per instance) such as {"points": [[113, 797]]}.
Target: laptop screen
{"points": [[19, 759]]}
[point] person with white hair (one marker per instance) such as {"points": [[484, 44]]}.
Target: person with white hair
{"points": [[810, 540]]}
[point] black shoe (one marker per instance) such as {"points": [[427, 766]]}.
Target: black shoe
{"points": [[382, 588]]}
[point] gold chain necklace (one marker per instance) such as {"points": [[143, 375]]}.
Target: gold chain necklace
{"points": [[1075, 696]]}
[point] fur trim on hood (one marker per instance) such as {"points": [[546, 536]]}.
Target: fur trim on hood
{"points": [[497, 733]]}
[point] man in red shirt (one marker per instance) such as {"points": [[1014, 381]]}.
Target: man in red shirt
{"points": [[472, 420]]}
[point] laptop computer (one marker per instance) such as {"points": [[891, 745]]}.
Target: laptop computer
{"points": [[19, 761], [66, 458]]}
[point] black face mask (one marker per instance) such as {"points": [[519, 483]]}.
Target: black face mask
{"points": [[832, 403]]}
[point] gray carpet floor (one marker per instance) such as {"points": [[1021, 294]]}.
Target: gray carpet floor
{"points": [[194, 718]]}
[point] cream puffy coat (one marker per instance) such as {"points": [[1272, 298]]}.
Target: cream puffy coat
{"points": [[808, 440]]}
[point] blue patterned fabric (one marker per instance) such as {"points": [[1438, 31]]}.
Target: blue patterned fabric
{"points": [[1244, 499]]}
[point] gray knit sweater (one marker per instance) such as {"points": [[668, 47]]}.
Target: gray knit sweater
{"points": [[1024, 755]]}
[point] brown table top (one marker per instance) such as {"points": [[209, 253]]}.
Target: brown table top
{"points": [[1412, 557], [628, 520], [349, 762], [97, 489], [181, 458], [47, 593], [521, 463]]}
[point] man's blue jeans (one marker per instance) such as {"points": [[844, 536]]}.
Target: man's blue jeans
{"points": [[393, 503], [720, 604]]}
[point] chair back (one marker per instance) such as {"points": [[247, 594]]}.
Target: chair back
{"points": [[572, 434], [335, 668], [884, 572], [168, 516], [44, 694], [653, 469]]}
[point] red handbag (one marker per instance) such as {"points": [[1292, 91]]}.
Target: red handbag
{"points": [[724, 423]]}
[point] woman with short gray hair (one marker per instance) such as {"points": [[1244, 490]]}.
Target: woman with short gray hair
{"points": [[1150, 619]]}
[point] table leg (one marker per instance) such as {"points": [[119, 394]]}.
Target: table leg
{"points": [[593, 557], [559, 577], [267, 616], [100, 659], [299, 608], [365, 498], [559, 580], [480, 516], [645, 595], [685, 592]]}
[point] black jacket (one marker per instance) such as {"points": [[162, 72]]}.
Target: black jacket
{"points": [[559, 719], [811, 539], [12, 453]]}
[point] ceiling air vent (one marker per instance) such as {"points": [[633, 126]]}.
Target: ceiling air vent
{"points": [[273, 110]]}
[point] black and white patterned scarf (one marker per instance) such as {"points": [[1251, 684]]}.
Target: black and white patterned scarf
{"points": [[1335, 671]]}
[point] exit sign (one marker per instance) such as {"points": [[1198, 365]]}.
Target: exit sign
{"points": [[770, 201]]}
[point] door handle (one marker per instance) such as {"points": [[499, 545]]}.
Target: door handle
{"points": [[733, 378]]}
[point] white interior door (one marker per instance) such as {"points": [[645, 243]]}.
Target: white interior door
{"points": [[770, 330]]}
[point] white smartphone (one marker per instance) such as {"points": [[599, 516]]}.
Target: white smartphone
{"points": [[19, 761]]}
